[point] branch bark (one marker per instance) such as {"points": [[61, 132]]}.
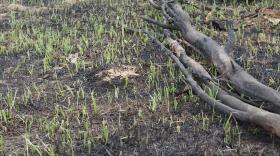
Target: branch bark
{"points": [[249, 113], [210, 49], [227, 67]]}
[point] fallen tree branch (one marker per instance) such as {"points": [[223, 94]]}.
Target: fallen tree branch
{"points": [[218, 55], [227, 67], [231, 105], [196, 88], [265, 119]]}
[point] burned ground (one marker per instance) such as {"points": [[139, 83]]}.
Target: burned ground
{"points": [[58, 95]]}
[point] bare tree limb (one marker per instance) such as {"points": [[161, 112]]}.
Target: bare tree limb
{"points": [[196, 88], [226, 66], [150, 20], [267, 120], [243, 82]]}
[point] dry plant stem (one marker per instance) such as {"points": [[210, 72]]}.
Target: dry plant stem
{"points": [[210, 49], [267, 120]]}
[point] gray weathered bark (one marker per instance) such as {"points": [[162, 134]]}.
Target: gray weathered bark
{"points": [[177, 19]]}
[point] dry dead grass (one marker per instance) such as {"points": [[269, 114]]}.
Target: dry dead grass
{"points": [[120, 72]]}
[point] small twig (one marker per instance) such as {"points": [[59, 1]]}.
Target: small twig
{"points": [[150, 20], [165, 14], [230, 41], [189, 45], [154, 5]]}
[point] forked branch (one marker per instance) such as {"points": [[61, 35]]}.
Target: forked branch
{"points": [[218, 55], [227, 67]]}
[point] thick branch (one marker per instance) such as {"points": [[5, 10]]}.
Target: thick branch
{"points": [[244, 82], [196, 88], [267, 120]]}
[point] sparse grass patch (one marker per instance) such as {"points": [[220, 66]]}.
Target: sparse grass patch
{"points": [[75, 81]]}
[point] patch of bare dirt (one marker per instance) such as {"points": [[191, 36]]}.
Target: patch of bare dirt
{"points": [[120, 72]]}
